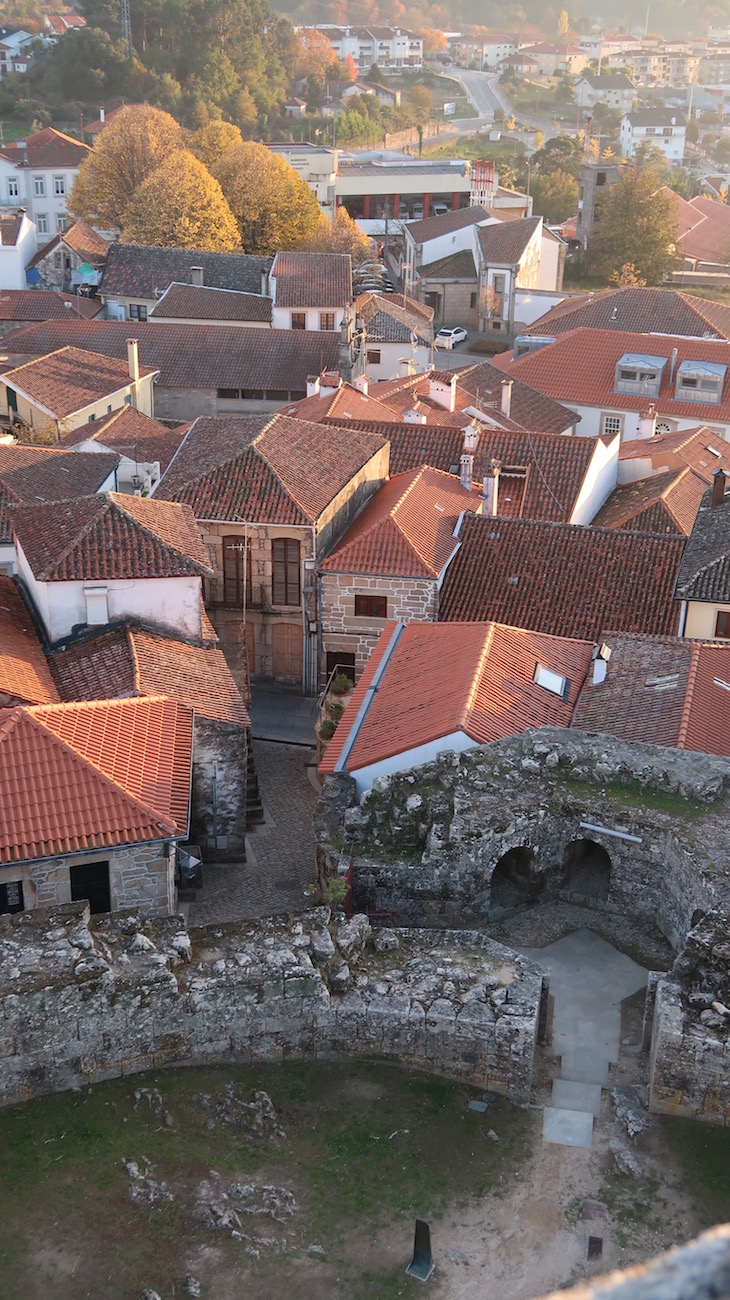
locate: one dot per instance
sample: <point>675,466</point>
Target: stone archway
<point>515,880</point>
<point>587,869</point>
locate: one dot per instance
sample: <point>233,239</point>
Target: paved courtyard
<point>280,853</point>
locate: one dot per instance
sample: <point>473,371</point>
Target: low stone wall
<point>84,1001</point>
<point>690,1048</point>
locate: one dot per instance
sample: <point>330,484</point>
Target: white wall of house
<point>396,359</point>
<point>670,139</point>
<point>42,191</point>
<point>455,241</point>
<point>172,603</point>
<point>599,482</point>
<point>457,741</point>
<point>531,304</point>
<point>34,415</point>
<point>15,257</point>
<point>702,619</point>
<point>282,316</point>
<point>593,418</point>
<point>549,275</point>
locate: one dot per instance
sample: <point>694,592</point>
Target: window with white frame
<point>13,187</point>
<point>39,187</point>
<point>61,222</point>
<point>41,223</point>
<point>612,424</point>
<point>59,186</point>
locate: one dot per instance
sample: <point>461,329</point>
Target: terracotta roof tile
<point>433,227</point>
<point>705,570</point>
<point>9,230</point>
<point>664,503</point>
<point>131,661</point>
<point>702,450</point>
<point>407,528</point>
<point>134,270</point>
<point>446,678</point>
<point>640,310</point>
<point>47,148</point>
<point>32,475</point>
<point>66,381</point>
<point>503,244</point>
<point>662,691</point>
<point>562,579</point>
<point>388,322</point>
<point>197,303</point>
<point>707,238</point>
<point>263,469</point>
<point>24,674</point>
<point>196,356</point>
<point>110,773</point>
<point>457,266</point>
<point>312,279</point>
<point>347,403</point>
<point>580,367</point>
<point>111,536</point>
<point>131,433</point>
<point>45,304</point>
<point>82,240</point>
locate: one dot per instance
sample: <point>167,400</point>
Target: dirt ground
<point>363,1150</point>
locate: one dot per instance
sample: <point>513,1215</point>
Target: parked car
<point>448,338</point>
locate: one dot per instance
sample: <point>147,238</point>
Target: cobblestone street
<point>280,853</point>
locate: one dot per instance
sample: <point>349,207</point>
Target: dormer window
<point>700,381</point>
<point>636,373</point>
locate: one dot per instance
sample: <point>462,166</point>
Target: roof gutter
<point>371,692</point>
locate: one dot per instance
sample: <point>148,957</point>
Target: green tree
<point>639,225</point>
<point>180,205</point>
<point>273,207</point>
<point>209,142</point>
<point>132,146</point>
<point>421,100</point>
<point>555,195</point>
<point>562,153</point>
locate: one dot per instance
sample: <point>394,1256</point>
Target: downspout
<point>683,610</point>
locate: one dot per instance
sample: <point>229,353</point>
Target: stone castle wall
<point>81,1002</point>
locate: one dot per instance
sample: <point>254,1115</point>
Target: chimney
<point>718,487</point>
<point>362,384</point>
<point>647,422</point>
<point>313,385</point>
<point>133,367</point>
<point>407,366</point>
<point>196,276</point>
<point>442,390</point>
<point>264,284</point>
<point>466,466</point>
<point>102,116</point>
<point>471,436</point>
<point>505,404</point>
<point>415,417</point>
<point>673,365</point>
<point>491,489</point>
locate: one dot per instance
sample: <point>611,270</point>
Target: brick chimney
<point>505,404</point>
<point>466,464</point>
<point>718,487</point>
<point>133,367</point>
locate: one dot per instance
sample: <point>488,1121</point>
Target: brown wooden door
<point>288,652</point>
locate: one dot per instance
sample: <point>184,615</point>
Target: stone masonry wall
<point>83,1002</point>
<point>426,842</point>
<point>409,600</point>
<point>218,816</point>
<point>140,876</point>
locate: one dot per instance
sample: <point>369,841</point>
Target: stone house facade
<point>141,877</point>
<point>348,636</point>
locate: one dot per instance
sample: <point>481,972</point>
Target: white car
<point>449,338</point>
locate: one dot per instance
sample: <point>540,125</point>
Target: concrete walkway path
<point>589,980</point>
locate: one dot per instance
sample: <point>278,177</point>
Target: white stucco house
<point>310,291</point>
<point>18,244</point>
<point>662,128</point>
<point>67,389</point>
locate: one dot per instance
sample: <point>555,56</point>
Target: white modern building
<point>661,128</point>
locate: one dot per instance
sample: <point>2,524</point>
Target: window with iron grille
<point>285,571</point>
<point>11,897</point>
<point>299,320</point>
<point>326,320</point>
<point>371,607</point>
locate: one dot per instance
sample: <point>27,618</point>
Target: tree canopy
<point>555,195</point>
<point>273,207</point>
<point>340,235</point>
<point>180,205</point>
<point>130,148</point>
<point>639,225</point>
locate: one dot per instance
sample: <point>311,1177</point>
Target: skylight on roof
<point>667,683</point>
<point>551,681</point>
<point>713,450</point>
<point>725,686</point>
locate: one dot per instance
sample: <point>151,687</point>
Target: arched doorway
<point>587,869</point>
<point>515,880</point>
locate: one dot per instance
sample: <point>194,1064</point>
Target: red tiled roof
<point>662,691</point>
<point>9,230</point>
<point>444,678</point>
<point>386,321</point>
<point>407,528</point>
<point>131,661</point>
<point>707,239</point>
<point>45,304</point>
<point>347,403</point>
<point>504,244</point>
<point>24,673</point>
<point>312,279</point>
<point>562,579</point>
<point>130,433</point>
<point>432,227</point>
<point>110,773</point>
<point>580,367</point>
<point>664,503</point>
<point>702,450</point>
<point>705,570</point>
<point>640,310</point>
<point>196,356</point>
<point>69,380</point>
<point>82,240</point>
<point>263,469</point>
<point>38,474</point>
<point>198,303</point>
<point>47,148</point>
<point>111,536</point>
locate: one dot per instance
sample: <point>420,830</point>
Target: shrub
<point>328,729</point>
<point>341,684</point>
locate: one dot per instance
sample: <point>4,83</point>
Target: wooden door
<point>288,652</point>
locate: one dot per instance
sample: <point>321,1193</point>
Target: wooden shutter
<point>285,566</point>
